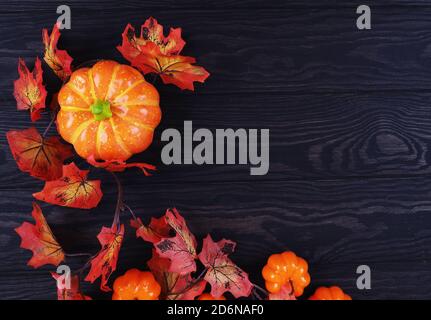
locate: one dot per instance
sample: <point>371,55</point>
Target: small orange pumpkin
<point>284,268</point>
<point>108,111</point>
<point>136,285</point>
<point>331,293</point>
<point>207,296</point>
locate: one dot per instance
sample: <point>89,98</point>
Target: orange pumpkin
<point>286,268</point>
<point>331,293</point>
<point>108,111</point>
<point>207,296</point>
<point>136,285</point>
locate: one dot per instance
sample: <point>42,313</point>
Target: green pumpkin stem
<point>101,110</point>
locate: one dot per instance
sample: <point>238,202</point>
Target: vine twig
<point>120,203</point>
<point>48,127</point>
<point>83,254</point>
<point>130,210</point>
<point>260,289</point>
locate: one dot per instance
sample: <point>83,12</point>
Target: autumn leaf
<point>29,91</point>
<point>39,239</point>
<point>72,189</point>
<point>286,293</point>
<point>154,232</point>
<point>152,52</point>
<point>186,288</point>
<point>73,292</point>
<point>151,33</point>
<point>119,165</point>
<point>105,262</point>
<point>41,157</point>
<point>177,70</point>
<point>180,249</point>
<point>58,60</point>
<point>223,275</point>
<point>174,286</point>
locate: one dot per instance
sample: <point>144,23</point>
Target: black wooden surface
<point>350,122</point>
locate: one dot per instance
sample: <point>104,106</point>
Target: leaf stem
<point>120,203</point>
<point>261,289</point>
<point>189,286</point>
<point>201,275</point>
<point>130,210</point>
<point>256,295</point>
<point>48,127</point>
<point>83,254</point>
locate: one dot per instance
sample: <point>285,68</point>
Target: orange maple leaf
<point>41,157</point>
<point>29,91</point>
<point>151,32</point>
<point>72,189</point>
<point>105,262</point>
<point>154,232</point>
<point>223,275</point>
<point>58,60</point>
<point>40,240</point>
<point>174,285</point>
<point>177,70</point>
<point>180,249</point>
<point>152,52</point>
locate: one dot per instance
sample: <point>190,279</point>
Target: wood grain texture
<point>335,225</point>
<point>348,113</point>
<point>320,136</point>
<point>23,5</point>
<point>269,50</point>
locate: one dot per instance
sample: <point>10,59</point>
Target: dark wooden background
<point>349,113</point>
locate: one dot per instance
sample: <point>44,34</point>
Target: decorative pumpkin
<point>108,111</point>
<point>286,268</point>
<point>331,293</point>
<point>207,296</point>
<point>136,285</point>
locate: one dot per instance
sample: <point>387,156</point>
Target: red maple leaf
<point>152,52</point>
<point>151,32</point>
<point>177,70</point>
<point>41,157</point>
<point>180,249</point>
<point>73,292</point>
<point>223,275</point>
<point>72,189</point>
<point>174,286</point>
<point>105,262</point>
<point>39,239</point>
<point>58,60</point>
<point>29,91</point>
<point>119,165</point>
<point>154,232</point>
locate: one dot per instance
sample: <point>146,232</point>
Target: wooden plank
<point>268,50</point>
<point>24,5</point>
<point>335,225</point>
<point>322,136</point>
